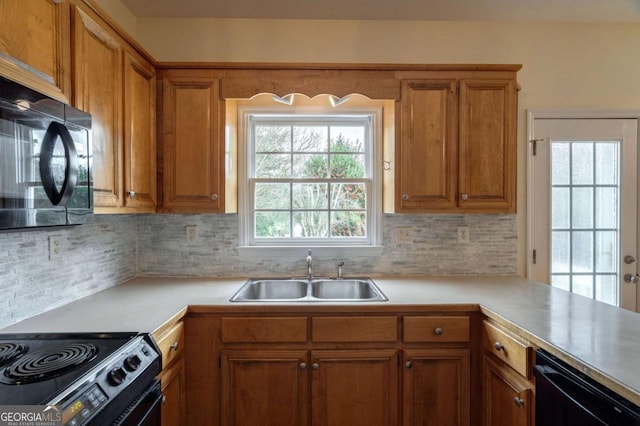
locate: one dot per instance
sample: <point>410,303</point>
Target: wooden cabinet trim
<point>517,386</point>
<point>171,344</point>
<point>436,329</point>
<point>507,348</point>
<point>264,330</point>
<point>354,329</point>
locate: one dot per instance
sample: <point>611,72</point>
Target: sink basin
<point>303,290</point>
<point>272,290</point>
<point>360,289</point>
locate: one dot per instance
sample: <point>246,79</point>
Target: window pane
<point>606,163</point>
<point>270,138</point>
<point>559,251</point>
<point>270,196</point>
<point>347,138</point>
<point>273,165</point>
<point>561,281</point>
<point>308,196</point>
<point>310,139</point>
<point>607,207</point>
<point>347,166</point>
<point>311,224</point>
<point>582,252</point>
<point>606,243</point>
<point>348,224</point>
<point>310,166</point>
<point>273,224</point>
<point>606,289</point>
<point>348,196</point>
<point>582,284</point>
<point>581,163</point>
<point>560,208</point>
<point>582,211</point>
<point>560,163</point>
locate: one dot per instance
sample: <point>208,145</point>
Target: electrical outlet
<point>463,234</point>
<point>55,247</point>
<point>192,232</point>
<point>404,235</point>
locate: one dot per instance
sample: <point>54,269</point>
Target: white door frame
<point>534,114</point>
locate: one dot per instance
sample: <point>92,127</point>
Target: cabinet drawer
<point>260,329</point>
<point>436,329</point>
<point>507,348</point>
<point>354,329</point>
<point>171,343</point>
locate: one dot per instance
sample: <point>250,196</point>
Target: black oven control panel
<point>107,390</point>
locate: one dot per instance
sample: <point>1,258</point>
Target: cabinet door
<point>193,163</point>
<point>97,67</point>
<point>508,398</point>
<point>173,390</point>
<point>487,158</point>
<point>427,147</point>
<point>436,387</point>
<point>266,388</point>
<point>354,387</point>
<point>139,134</point>
<point>34,45</point>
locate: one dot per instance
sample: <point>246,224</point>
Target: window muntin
<point>310,179</point>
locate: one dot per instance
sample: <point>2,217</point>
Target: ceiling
<point>435,10</point>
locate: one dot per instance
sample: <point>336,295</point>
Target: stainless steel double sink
<point>305,290</point>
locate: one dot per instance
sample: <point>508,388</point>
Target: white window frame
<point>330,247</point>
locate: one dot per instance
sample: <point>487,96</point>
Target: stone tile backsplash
<point>117,248</point>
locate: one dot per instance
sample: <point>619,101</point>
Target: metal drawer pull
<point>499,346</point>
<point>518,401</point>
<point>214,197</point>
<point>315,366</point>
<point>164,399</point>
<point>437,331</point>
<point>303,366</point>
<point>405,197</point>
<point>464,197</point>
<point>174,346</point>
<point>132,194</point>
<point>408,364</point>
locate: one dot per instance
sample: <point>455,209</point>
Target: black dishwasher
<point>566,397</point>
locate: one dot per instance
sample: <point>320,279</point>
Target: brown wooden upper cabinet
<point>193,151</point>
<point>34,46</point>
<point>457,145</point>
<point>117,87</point>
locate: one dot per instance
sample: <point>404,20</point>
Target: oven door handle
<point>58,197</point>
<point>564,390</point>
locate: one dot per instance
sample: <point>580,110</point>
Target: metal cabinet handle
<point>499,346</point>
<point>408,364</point>
<point>303,366</point>
<point>164,399</point>
<point>214,197</point>
<point>315,366</point>
<point>437,331</point>
<point>464,197</point>
<point>174,346</point>
<point>405,197</point>
<point>132,194</point>
<point>518,401</point>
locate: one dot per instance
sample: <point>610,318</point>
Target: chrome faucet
<point>339,274</point>
<point>309,265</point>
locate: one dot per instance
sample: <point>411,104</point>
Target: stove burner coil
<point>9,351</point>
<point>47,363</point>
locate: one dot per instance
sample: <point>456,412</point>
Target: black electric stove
<point>92,378</point>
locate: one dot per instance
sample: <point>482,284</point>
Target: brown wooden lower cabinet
<point>508,397</point>
<point>436,387</point>
<point>173,389</point>
<point>354,387</point>
<point>261,387</point>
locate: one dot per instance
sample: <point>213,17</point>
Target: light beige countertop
<point>601,340</point>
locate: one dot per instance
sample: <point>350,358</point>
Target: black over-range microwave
<point>45,160</point>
